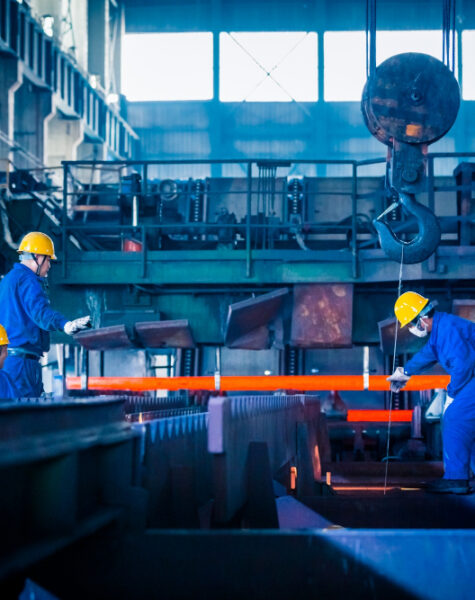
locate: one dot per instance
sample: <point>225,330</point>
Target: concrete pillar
<point>33,106</point>
<point>117,34</point>
<point>99,41</point>
<point>69,26</point>
<point>79,12</point>
<point>62,140</point>
<point>10,80</point>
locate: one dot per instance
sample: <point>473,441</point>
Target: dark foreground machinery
<point>102,500</point>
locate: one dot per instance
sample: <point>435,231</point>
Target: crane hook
<point>422,245</point>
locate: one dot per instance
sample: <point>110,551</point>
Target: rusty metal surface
<point>464,309</point>
<point>322,316</point>
<point>105,338</point>
<point>247,316</point>
<point>406,342</point>
<point>412,98</point>
<point>165,334</point>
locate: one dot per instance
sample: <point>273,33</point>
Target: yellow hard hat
<point>3,336</point>
<point>408,306</point>
<point>38,243</point>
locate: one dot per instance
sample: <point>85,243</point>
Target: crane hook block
<point>412,98</point>
<point>422,245</point>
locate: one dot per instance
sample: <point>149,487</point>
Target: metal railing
<point>264,221</point>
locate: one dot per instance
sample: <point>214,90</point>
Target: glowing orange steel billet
<point>255,383</point>
<point>379,416</point>
<point>378,383</point>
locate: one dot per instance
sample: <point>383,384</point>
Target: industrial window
<point>468,64</point>
<point>389,43</point>
<point>345,57</point>
<point>268,67</point>
<point>167,66</point>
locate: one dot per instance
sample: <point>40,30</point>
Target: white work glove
<point>73,327</point>
<point>398,380</point>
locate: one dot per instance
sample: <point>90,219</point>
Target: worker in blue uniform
<point>7,387</point>
<point>27,316</point>
<point>451,342</point>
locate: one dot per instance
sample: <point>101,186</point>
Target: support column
<point>62,139</point>
<point>33,105</point>
<point>69,24</point>
<point>216,116</point>
<point>99,41</point>
<point>117,34</point>
<point>10,81</point>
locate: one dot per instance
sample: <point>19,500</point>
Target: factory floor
<point>356,540</point>
<point>361,499</point>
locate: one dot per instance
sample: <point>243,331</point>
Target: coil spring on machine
<point>296,200</point>
<point>187,362</point>
<point>292,361</point>
<point>197,201</point>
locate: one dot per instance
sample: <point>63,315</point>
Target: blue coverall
<point>452,344</point>
<point>27,316</point>
<point>7,387</point>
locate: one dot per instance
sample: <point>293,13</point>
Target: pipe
<point>257,383</point>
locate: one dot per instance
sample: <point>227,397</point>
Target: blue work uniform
<point>27,316</point>
<point>452,344</point>
<point>8,390</point>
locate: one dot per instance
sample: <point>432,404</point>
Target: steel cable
<point>399,289</point>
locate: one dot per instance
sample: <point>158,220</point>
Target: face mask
<point>419,330</point>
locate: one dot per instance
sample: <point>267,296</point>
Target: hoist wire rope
<point>396,329</point>
<point>370,38</point>
<point>448,33</point>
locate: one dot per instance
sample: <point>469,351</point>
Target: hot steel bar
<point>379,416</point>
<point>266,383</point>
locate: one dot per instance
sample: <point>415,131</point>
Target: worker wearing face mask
<point>451,342</point>
<point>27,316</point>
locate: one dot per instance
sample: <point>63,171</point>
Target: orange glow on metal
<point>363,488</point>
<point>413,130</point>
<point>293,478</point>
<point>373,488</point>
<point>257,383</point>
<point>328,478</point>
<point>316,452</point>
<point>379,416</point>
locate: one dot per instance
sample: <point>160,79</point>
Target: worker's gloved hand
<point>73,327</point>
<point>398,380</point>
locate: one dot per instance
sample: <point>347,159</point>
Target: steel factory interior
<point>237,299</point>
